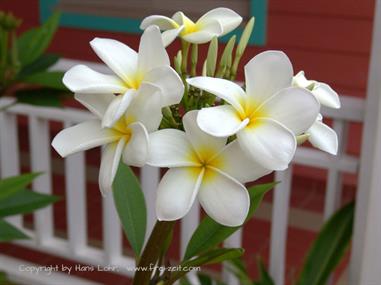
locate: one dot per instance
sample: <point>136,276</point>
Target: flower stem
<point>152,252</point>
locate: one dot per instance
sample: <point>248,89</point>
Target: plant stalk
<point>152,252</point>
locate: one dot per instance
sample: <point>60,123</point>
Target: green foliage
<point>11,185</point>
<point>264,276</point>
<point>40,64</point>
<point>130,205</point>
<point>329,247</point>
<point>24,201</point>
<point>15,199</point>
<point>22,60</point>
<point>210,233</point>
<point>210,257</point>
<point>34,42</point>
<point>9,232</point>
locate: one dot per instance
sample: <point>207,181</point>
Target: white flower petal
<point>222,88</point>
<point>117,108</point>
<point>266,74</point>
<point>170,35</point>
<point>294,107</point>
<point>119,57</point>
<point>109,165</point>
<point>145,107</point>
<point>82,137</point>
<point>326,95</point>
<point>220,121</point>
<point>300,80</point>
<point>204,33</point>
<point>152,52</point>
<point>201,141</point>
<point>176,192</point>
<point>227,18</point>
<point>170,148</point>
<point>235,163</point>
<point>164,23</point>
<point>223,198</point>
<point>82,79</point>
<point>95,103</point>
<point>170,83</point>
<point>269,143</point>
<point>135,152</point>
<point>323,137</point>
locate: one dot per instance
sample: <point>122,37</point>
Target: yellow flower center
<point>252,112</point>
<point>208,159</point>
<point>121,129</point>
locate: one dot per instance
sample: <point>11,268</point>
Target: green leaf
<point>11,185</point>
<point>329,247</point>
<point>209,233</point>
<point>25,201</point>
<point>51,79</point>
<point>131,207</point>
<point>265,278</point>
<point>211,257</point>
<point>34,42</point>
<point>9,232</point>
<point>40,64</point>
<point>211,58</point>
<point>238,268</point>
<point>204,279</point>
<point>42,97</point>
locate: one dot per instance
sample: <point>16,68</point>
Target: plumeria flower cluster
<point>212,134</point>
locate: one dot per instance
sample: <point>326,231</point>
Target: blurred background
<point>329,40</point>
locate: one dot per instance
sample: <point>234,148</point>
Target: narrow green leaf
<point>238,268</point>
<point>25,201</point>
<point>40,64</point>
<point>329,247</point>
<point>209,233</point>
<point>204,279</point>
<point>211,257</point>
<point>211,58</point>
<point>9,232</point>
<point>42,96</point>
<point>131,207</point>
<point>11,185</point>
<point>51,79</point>
<point>34,42</point>
<point>265,278</point>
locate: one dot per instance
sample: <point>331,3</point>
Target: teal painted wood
<point>258,9</point>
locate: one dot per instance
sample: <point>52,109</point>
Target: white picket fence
<point>366,249</point>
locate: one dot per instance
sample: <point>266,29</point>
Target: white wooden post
<point>112,231</point>
<point>40,162</point>
<point>9,151</point>
<point>279,225</point>
<point>366,251</point>
<point>234,240</point>
<point>75,179</point>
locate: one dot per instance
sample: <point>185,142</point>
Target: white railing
<point>75,247</point>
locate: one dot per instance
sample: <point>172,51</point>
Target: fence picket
<point>40,162</point>
<point>75,180</point>
<point>279,225</point>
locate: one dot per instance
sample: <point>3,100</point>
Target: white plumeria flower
<point>216,22</point>
<point>128,138</point>
<point>201,166</point>
<point>133,71</point>
<point>267,116</point>
<point>323,92</point>
<point>320,136</point>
